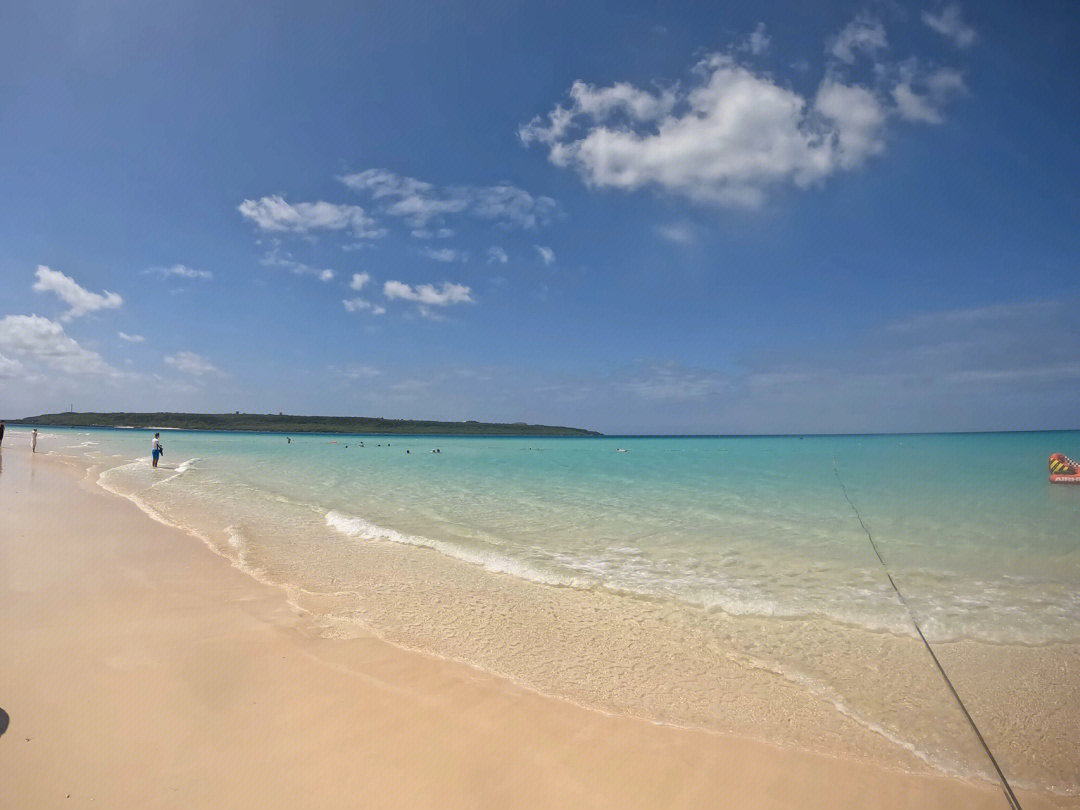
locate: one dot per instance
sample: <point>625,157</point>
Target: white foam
<point>357,527</point>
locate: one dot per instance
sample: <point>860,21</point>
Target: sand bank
<point>138,669</point>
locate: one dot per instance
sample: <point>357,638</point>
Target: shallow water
<point>716,582</point>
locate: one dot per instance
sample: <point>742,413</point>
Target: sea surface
<point>723,583</point>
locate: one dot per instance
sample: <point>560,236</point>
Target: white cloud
<point>445,254</point>
<point>361,304</point>
<point>359,280</point>
<point>37,341</point>
<point>923,97</point>
<point>428,294</point>
<point>275,258</point>
<point>864,34</point>
<point>273,213</point>
<point>950,23</point>
<point>546,254</point>
<point>758,41</point>
<point>733,134</point>
<point>81,301</point>
<point>131,338</point>
<point>9,367</point>
<point>432,233</point>
<point>181,271</point>
<point>420,202</point>
<point>857,118</point>
<point>678,232</point>
<point>496,255</point>
<point>191,363</point>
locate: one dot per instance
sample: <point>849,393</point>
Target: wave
<point>357,527</point>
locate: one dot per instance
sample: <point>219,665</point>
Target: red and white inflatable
<point>1063,470</point>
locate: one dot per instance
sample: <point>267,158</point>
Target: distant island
<point>287,423</point>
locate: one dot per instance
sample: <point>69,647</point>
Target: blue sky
<point>652,217</point>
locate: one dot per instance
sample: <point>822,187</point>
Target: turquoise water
<point>651,561</point>
<point>980,542</point>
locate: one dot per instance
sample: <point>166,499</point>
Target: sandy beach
<point>140,669</point>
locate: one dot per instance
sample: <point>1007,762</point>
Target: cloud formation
<point>547,255</point>
<point>181,271</point>
<point>274,214</point>
<point>276,258</point>
<point>863,35</point>
<point>428,294</point>
<point>130,338</point>
<point>359,280</point>
<point>732,134</point>
<point>496,255</point>
<point>949,23</point>
<point>29,342</point>
<point>362,304</point>
<point>420,203</point>
<point>446,254</point>
<point>67,289</point>
<point>194,364</point>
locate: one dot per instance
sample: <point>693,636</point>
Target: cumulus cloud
<point>361,305</point>
<point>922,97</point>
<point>181,271</point>
<point>420,203</point>
<point>9,367</point>
<point>949,22</point>
<point>32,341</point>
<point>194,364</point>
<point>131,338</point>
<point>864,34</point>
<point>428,294</point>
<point>496,255</point>
<point>547,255</point>
<point>273,213</point>
<point>359,280</point>
<point>732,134</point>
<point>67,289</point>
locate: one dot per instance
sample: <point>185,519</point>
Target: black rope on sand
<point>1014,803</point>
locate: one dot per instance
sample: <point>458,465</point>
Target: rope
<point>1014,803</point>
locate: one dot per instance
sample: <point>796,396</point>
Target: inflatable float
<point>1063,470</point>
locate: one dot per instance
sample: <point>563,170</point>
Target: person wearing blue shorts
<point>156,449</point>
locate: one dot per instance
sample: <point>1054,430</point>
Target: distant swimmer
<point>621,450</point>
<point>33,441</point>
<point>288,440</point>
<point>156,450</point>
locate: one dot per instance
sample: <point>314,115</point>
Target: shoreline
<point>471,704</point>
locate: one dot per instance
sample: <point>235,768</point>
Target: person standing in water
<point>1,431</point>
<point>33,441</point>
<point>155,448</point>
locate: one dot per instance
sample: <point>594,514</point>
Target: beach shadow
<point>4,720</point>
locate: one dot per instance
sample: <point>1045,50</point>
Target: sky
<point>735,217</point>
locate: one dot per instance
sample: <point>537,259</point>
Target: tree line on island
<point>288,423</point>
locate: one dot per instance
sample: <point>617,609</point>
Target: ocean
<point>722,583</point>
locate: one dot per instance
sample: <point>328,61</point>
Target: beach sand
<point>138,669</point>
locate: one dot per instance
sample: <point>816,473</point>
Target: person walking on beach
<point>1,431</point>
<point>155,449</point>
<point>33,441</point>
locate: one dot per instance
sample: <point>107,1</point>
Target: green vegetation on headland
<point>285,423</point>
